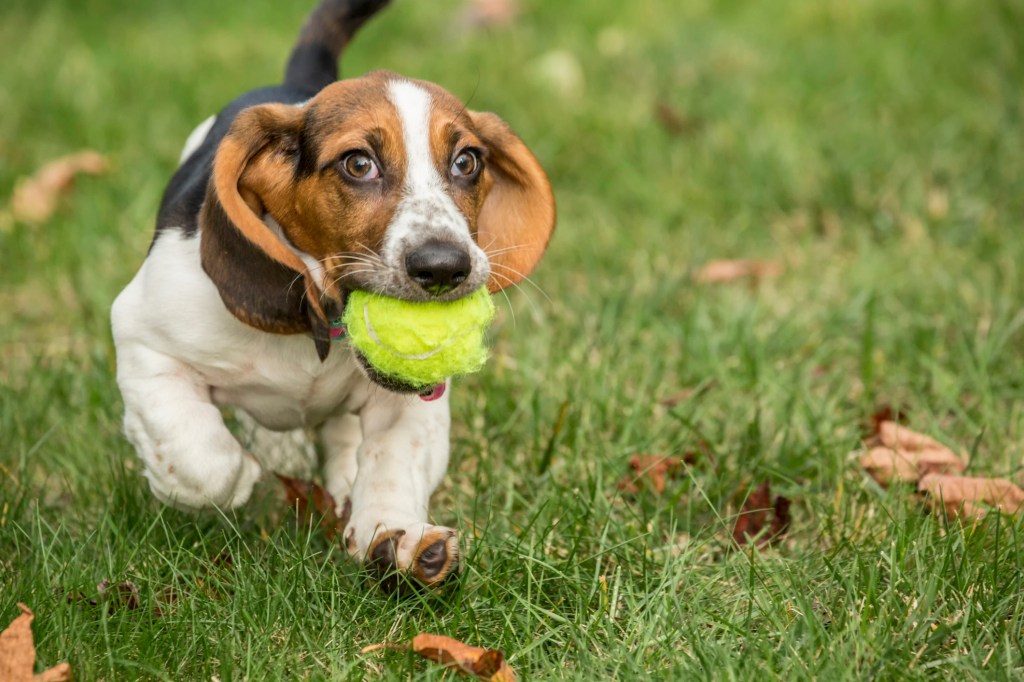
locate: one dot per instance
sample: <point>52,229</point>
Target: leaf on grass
<point>674,122</point>
<point>122,595</point>
<point>687,394</point>
<point>761,518</point>
<point>722,271</point>
<point>299,494</point>
<point>887,465</point>
<point>18,653</point>
<point>971,497</point>
<point>490,13</point>
<point>897,436</point>
<point>652,469</point>
<point>487,664</point>
<point>35,198</point>
<point>885,413</point>
<point>165,602</point>
<point>901,454</point>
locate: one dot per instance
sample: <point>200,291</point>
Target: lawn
<point>873,148</point>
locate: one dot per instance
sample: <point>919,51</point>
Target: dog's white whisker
<point>523,278</point>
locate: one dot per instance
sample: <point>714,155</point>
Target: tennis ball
<point>419,344</point>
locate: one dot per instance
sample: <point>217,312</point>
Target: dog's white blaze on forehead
<point>427,210</point>
<point>413,105</point>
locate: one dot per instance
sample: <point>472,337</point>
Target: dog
<point>287,199</point>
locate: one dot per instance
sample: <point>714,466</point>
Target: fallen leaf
<point>885,413</point>
<point>223,559</point>
<point>971,497</point>
<point>17,650</point>
<point>35,198</point>
<point>58,673</point>
<point>488,664</point>
<point>901,454</point>
<point>898,437</point>
<point>780,517</point>
<point>688,393</point>
<point>754,517</point>
<point>673,121</point>
<point>299,494</point>
<point>165,602</point>
<point>488,13</point>
<point>122,595</point>
<point>722,271</point>
<point>18,653</point>
<point>652,468</point>
<point>887,465</point>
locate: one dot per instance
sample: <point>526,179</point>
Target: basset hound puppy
<point>287,199</point>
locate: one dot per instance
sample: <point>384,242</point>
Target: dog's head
<point>383,184</point>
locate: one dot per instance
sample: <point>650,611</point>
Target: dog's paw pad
<point>430,560</point>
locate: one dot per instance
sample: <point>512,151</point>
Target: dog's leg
<point>190,457</point>
<point>289,453</point>
<point>403,457</point>
<point>340,437</point>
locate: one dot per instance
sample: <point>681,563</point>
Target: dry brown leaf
<point>894,435</point>
<point>888,465</point>
<point>18,653</point>
<point>17,650</point>
<point>485,13</point>
<point>971,497</point>
<point>885,413</point>
<point>487,664</point>
<point>122,595</point>
<point>754,517</point>
<point>688,393</point>
<point>654,469</point>
<point>780,518</point>
<point>679,397</point>
<point>901,454</point>
<point>674,122</point>
<point>58,673</point>
<point>299,494</point>
<point>35,198</point>
<point>722,271</point>
<point>165,601</point>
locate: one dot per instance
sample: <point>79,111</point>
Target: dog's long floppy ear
<point>255,160</point>
<point>518,214</point>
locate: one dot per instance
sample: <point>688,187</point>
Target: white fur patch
<point>413,105</point>
<point>196,138</point>
<point>316,268</point>
<point>427,210</point>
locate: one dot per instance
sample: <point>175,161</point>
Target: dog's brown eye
<point>465,165</point>
<point>359,166</point>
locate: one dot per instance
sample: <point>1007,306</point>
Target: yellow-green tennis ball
<point>419,344</point>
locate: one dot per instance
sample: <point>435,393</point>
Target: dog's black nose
<point>438,266</point>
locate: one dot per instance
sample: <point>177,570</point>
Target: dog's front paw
<point>427,554</point>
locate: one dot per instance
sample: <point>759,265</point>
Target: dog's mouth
<point>394,385</point>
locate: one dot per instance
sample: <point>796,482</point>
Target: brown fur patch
<point>518,216</point>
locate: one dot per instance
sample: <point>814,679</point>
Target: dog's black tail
<point>313,64</point>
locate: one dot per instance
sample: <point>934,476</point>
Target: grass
<point>873,147</point>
